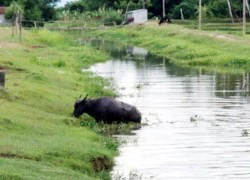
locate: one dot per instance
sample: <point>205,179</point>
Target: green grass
<point>218,25</point>
<point>186,47</point>
<point>39,137</point>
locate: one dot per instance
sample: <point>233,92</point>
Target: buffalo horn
<point>85,98</point>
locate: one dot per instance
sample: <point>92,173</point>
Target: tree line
<point>43,10</point>
<point>46,10</point>
<point>210,8</point>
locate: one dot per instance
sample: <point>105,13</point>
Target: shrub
<point>111,17</point>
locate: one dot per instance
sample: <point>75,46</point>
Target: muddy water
<point>198,122</point>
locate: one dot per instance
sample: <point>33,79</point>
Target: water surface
<point>197,121</point>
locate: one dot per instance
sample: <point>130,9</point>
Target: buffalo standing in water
<point>108,110</point>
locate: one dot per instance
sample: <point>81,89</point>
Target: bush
<point>219,8</point>
<point>111,16</point>
<point>188,7</point>
<point>108,16</point>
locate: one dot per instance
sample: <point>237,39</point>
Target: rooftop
<point>2,10</point>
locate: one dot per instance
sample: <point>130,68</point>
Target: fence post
<point>20,27</point>
<point>163,9</point>
<point>244,18</point>
<point>35,24</point>
<point>230,10</point>
<point>200,16</point>
<point>182,16</point>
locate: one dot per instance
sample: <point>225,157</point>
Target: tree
<point>35,9</point>
<point>244,17</point>
<point>188,8</point>
<point>15,12</point>
<point>78,6</point>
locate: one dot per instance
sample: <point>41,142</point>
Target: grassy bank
<point>186,47</point>
<point>39,138</point>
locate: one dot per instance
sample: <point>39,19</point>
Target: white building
<point>2,19</point>
<point>140,16</point>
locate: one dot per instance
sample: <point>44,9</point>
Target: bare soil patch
<point>7,45</point>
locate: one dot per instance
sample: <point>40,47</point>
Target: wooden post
<point>13,27</point>
<point>35,24</point>
<point>125,17</point>
<point>248,9</point>
<point>200,12</point>
<point>230,10</point>
<point>163,9</point>
<point>20,27</point>
<point>244,18</point>
<point>182,16</point>
<point>16,23</point>
<point>143,4</point>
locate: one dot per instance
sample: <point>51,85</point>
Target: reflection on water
<point>175,145</point>
<point>2,79</point>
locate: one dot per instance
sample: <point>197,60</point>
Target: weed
<point>60,64</point>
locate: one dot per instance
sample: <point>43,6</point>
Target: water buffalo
<point>165,19</point>
<point>107,110</point>
<point>128,21</point>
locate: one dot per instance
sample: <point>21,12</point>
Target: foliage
<point>35,9</point>
<point>90,18</point>
<point>219,8</point>
<point>188,8</point>
<point>110,16</point>
<point>78,6</point>
<point>45,10</point>
<point>13,10</point>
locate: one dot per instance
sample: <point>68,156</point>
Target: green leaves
<point>13,10</point>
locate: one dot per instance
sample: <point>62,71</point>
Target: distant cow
<point>107,109</point>
<point>164,19</point>
<point>128,21</point>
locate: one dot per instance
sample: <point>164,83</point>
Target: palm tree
<point>16,11</point>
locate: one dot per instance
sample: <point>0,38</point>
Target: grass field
<point>212,50</point>
<point>39,137</point>
<point>215,25</point>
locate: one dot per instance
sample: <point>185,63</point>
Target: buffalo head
<point>80,107</point>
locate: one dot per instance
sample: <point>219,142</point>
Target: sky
<point>63,2</point>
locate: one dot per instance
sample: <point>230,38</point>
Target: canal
<point>197,121</point>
